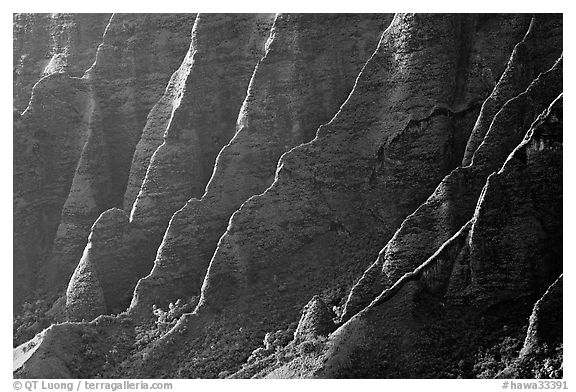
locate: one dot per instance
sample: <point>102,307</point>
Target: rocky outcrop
<point>519,231</point>
<point>542,353</point>
<point>48,141</point>
<point>23,352</point>
<point>111,274</point>
<point>308,71</point>
<point>50,135</point>
<point>334,199</point>
<point>53,359</point>
<point>316,321</point>
<point>84,298</point>
<point>485,277</point>
<point>222,55</point>
<point>52,43</point>
<point>224,51</point>
<point>88,194</point>
<point>534,54</point>
<point>454,200</point>
<point>438,136</point>
<point>138,55</point>
<point>153,132</point>
<point>68,350</point>
<point>30,44</point>
<point>545,327</point>
<point>131,69</point>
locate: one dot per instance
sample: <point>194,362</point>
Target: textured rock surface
<point>335,198</point>
<point>68,350</point>
<point>213,80</point>
<point>53,359</point>
<point>518,232</point>
<point>454,200</point>
<point>542,353</point>
<point>485,273</point>
<point>87,196</point>
<point>138,55</point>
<point>84,298</point>
<point>545,328</point>
<point>316,321</point>
<point>308,70</point>
<point>112,274</point>
<point>271,255</point>
<point>153,133</point>
<point>50,43</point>
<point>131,69</point>
<point>30,46</point>
<point>224,51</point>
<point>48,142</point>
<point>49,137</point>
<point>534,54</point>
<point>211,85</point>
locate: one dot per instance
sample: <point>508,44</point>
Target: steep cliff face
<point>51,43</point>
<point>223,53</point>
<point>445,316</point>
<point>130,71</point>
<point>453,202</point>
<point>64,164</point>
<point>138,55</point>
<point>49,137</point>
<point>48,141</point>
<point>336,197</point>
<point>309,68</point>
<point>545,328</point>
<point>209,98</point>
<point>286,154</point>
<point>108,273</point>
<point>534,54</point>
<point>542,353</point>
<point>30,47</point>
<point>153,132</point>
<point>69,349</point>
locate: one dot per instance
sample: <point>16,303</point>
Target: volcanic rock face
<point>50,135</point>
<point>51,43</point>
<point>403,331</point>
<point>111,273</point>
<point>224,51</point>
<point>210,87</point>
<point>85,299</point>
<point>541,355</point>
<point>48,141</point>
<point>129,73</point>
<point>138,55</point>
<point>315,227</point>
<point>87,195</point>
<point>316,320</point>
<point>307,72</point>
<point>518,250</point>
<point>534,54</point>
<point>545,326</point>
<point>454,200</point>
<point>325,195</point>
<point>223,54</point>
